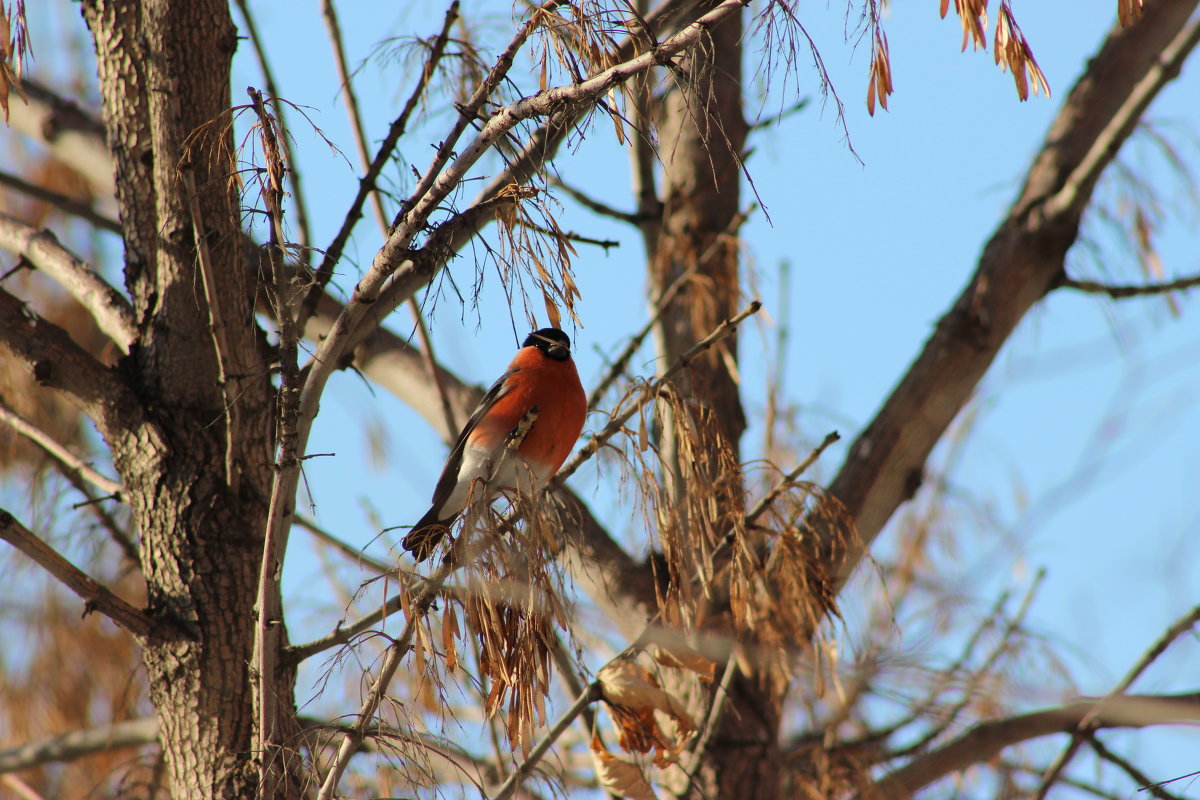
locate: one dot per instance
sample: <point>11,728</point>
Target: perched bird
<point>518,436</point>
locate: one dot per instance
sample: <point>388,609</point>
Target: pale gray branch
<point>984,741</point>
<point>58,450</point>
<point>77,744</point>
<point>108,307</point>
<point>75,137</point>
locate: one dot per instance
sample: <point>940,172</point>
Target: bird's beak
<point>558,351</point>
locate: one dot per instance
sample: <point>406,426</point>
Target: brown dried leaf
<point>879,83</point>
<point>680,656</point>
<point>1129,12</point>
<point>972,15</point>
<point>633,696</point>
<point>14,45</point>
<point>618,776</point>
<point>1011,51</point>
<point>626,683</point>
<point>450,636</point>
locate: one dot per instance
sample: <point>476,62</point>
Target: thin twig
<point>367,183</point>
<point>96,596</point>
<point>285,143</point>
<point>354,735</point>
<point>1142,780</point>
<point>1181,626</point>
<point>220,334</point>
<point>349,551</point>
<point>268,630</point>
<point>621,362</point>
<point>984,669</point>
<point>595,205</point>
<point>1123,292</point>
<point>344,633</point>
<point>72,206</point>
<point>651,389</point>
<point>360,142</point>
<point>786,483</point>
<point>59,451</point>
<point>714,715</point>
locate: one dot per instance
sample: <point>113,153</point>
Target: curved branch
<point>1020,264</point>
<point>985,740</point>
<point>58,451</point>
<point>77,744</point>
<point>108,307</point>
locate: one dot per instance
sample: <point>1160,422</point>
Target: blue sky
<point>1084,444</point>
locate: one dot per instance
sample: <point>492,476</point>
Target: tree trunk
<point>196,471</point>
<point>702,136</point>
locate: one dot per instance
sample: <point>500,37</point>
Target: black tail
<point>426,534</point>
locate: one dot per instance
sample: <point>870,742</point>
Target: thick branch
<point>985,740</point>
<point>96,597</point>
<point>108,307</point>
<point>1020,264</point>
<point>75,137</point>
<point>57,362</point>
<point>77,744</point>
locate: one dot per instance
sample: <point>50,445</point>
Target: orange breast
<point>552,386</point>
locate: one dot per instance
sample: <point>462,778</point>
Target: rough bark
<point>702,135</point>
<point>196,476</point>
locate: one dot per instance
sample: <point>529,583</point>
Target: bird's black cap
<point>551,341</point>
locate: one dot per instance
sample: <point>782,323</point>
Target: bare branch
<point>360,142</point>
<point>618,420</point>
<point>96,597</point>
<point>108,307</point>
<point>395,653</point>
<point>59,451</point>
<point>57,362</point>
<point>985,740</point>
<point>78,744</point>
<point>285,143</point>
<point>433,189</point>
<point>1178,628</point>
<point>1140,778</point>
<point>1123,292</point>
<point>366,184</point>
<point>1022,262</point>
<point>75,137</point>
<point>70,205</point>
<point>268,633</point>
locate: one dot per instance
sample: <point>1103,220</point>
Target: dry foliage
<point>1012,52</point>
<point>739,596</point>
<point>14,48</point>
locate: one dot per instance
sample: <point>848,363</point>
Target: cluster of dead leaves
<point>1010,48</point>
<point>14,46</point>
<point>650,720</point>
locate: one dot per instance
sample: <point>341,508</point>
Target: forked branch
<point>986,740</point>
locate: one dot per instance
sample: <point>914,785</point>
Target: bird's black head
<point>552,342</point>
